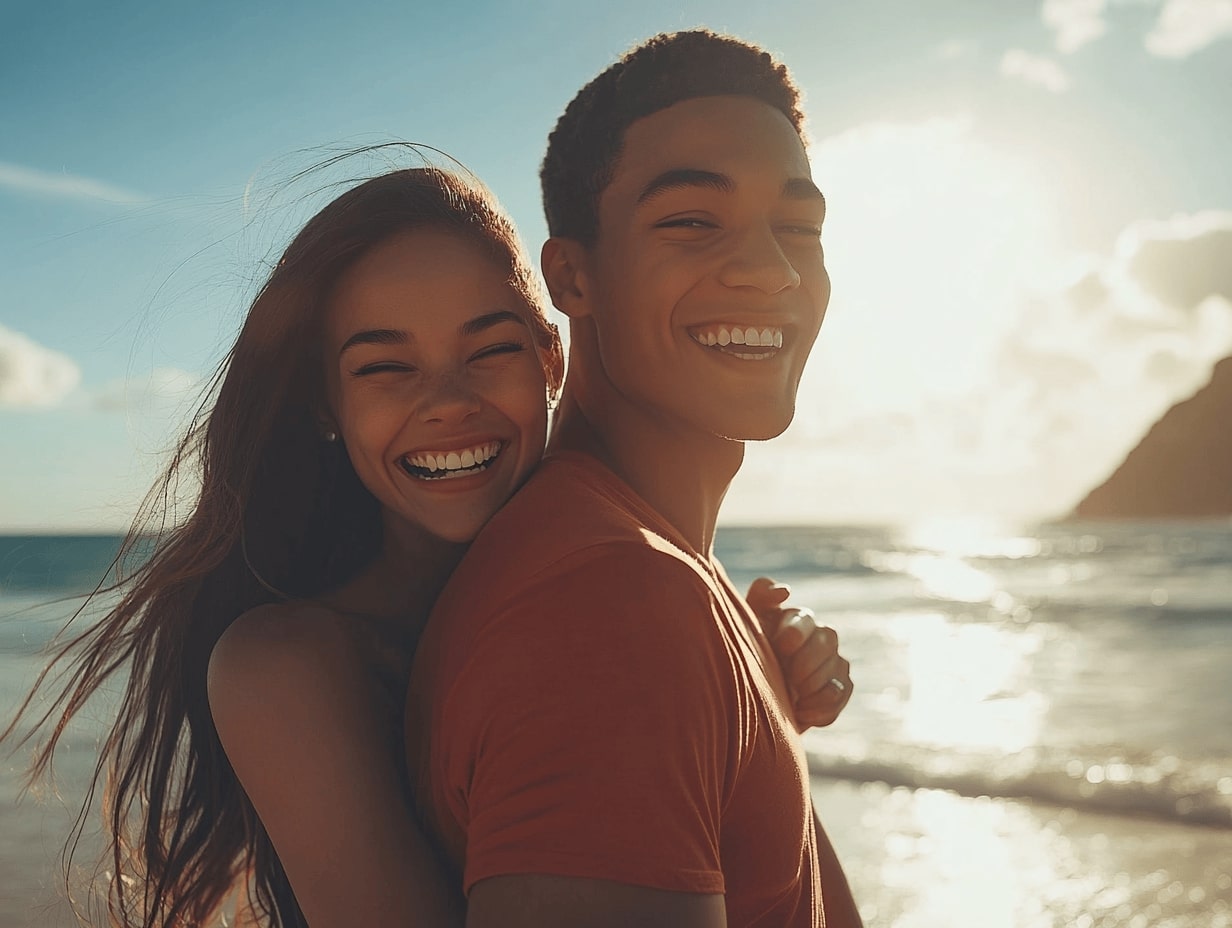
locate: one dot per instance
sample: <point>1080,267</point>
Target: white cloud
<point>1075,22</point>
<point>156,408</point>
<point>32,375</point>
<point>68,186</point>
<point>1181,28</point>
<point>1185,26</point>
<point>952,49</point>
<point>1183,260</point>
<point>1034,69</point>
<point>160,384</point>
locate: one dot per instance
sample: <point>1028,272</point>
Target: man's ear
<point>565,266</point>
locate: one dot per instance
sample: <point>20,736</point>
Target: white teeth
<point>753,337</point>
<point>454,460</point>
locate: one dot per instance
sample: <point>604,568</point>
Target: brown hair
<point>280,513</point>
<point>664,70</point>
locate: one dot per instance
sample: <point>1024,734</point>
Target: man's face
<point>708,282</point>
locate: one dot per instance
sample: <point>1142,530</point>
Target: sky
<point>1029,227</point>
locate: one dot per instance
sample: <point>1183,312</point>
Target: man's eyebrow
<point>488,320</point>
<point>797,188</point>
<point>374,337</point>
<point>801,188</point>
<point>685,177</point>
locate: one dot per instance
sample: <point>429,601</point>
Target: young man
<point>655,779</point>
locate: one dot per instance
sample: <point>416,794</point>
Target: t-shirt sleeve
<point>587,734</point>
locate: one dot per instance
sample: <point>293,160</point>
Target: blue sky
<point>1015,191</point>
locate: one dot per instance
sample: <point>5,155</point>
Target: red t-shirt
<point>592,700</point>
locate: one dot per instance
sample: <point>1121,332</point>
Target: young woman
<point>387,394</point>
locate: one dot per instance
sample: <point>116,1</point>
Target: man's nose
<point>757,260</point>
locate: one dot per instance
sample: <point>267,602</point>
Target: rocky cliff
<point>1181,469</point>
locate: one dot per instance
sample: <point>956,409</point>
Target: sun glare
<point>966,690</point>
<point>933,237</point>
<point>968,537</point>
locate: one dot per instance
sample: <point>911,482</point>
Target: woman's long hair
<point>280,513</point>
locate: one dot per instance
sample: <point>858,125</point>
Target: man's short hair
<point>665,70</point>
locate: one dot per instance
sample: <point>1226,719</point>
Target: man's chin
<point>756,427</point>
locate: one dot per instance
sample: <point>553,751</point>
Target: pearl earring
<point>331,436</point>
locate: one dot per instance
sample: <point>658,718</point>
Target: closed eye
<point>496,350</point>
<point>382,367</point>
<point>810,229</point>
<point>685,222</point>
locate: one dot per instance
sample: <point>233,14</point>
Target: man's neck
<point>682,474</point>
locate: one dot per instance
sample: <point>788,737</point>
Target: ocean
<point>1040,733</point>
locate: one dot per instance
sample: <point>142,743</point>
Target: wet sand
<point>915,859</point>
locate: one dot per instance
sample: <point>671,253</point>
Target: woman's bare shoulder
<point>278,650</point>
<point>298,624</point>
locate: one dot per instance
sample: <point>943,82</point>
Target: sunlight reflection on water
<point>931,859</point>
<point>968,684</point>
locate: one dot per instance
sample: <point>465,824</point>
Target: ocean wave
<point>1162,787</point>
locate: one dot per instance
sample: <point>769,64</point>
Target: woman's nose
<point>448,398</point>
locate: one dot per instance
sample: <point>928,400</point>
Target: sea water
<point>1040,732</point>
<point>1041,727</point>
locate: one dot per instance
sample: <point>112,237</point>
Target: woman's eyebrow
<point>374,337</point>
<point>398,337</point>
<point>488,320</point>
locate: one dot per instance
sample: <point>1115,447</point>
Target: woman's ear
<point>326,421</point>
<point>564,263</point>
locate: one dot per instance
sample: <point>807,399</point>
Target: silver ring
<point>838,684</point>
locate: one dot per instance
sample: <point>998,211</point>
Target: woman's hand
<point>818,677</point>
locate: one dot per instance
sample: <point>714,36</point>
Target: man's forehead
<point>734,136</point>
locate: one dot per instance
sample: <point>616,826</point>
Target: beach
<point>1038,735</point>
<point>915,859</point>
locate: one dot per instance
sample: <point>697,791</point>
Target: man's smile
<point>746,342</point>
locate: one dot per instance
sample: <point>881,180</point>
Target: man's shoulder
<point>573,521</point>
<point>570,505</point>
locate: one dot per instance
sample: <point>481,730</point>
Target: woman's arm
<point>299,716</point>
<point>818,676</point>
<point>809,656</point>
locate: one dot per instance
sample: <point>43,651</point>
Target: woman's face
<point>434,381</point>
